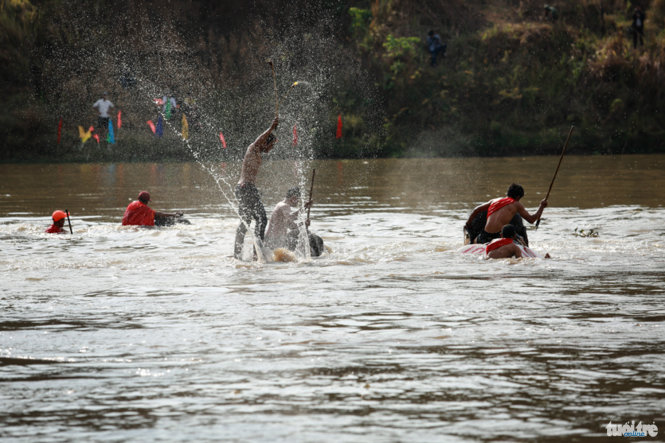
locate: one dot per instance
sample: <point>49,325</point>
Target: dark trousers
<point>638,36</point>
<point>249,208</point>
<point>433,54</point>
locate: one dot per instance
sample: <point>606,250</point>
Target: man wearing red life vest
<point>500,212</point>
<point>58,222</point>
<point>138,213</point>
<point>505,246</point>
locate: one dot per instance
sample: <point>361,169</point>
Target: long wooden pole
<point>274,82</point>
<point>311,190</point>
<point>563,152</point>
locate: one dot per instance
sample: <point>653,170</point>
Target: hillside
<point>512,81</point>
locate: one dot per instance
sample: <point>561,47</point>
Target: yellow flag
<point>185,128</point>
<point>84,135</point>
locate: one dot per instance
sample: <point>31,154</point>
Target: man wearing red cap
<point>138,213</point>
<point>58,222</point>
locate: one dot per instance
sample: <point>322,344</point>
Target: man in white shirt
<point>103,105</point>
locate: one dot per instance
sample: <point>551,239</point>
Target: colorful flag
<point>159,130</point>
<point>60,130</point>
<point>221,137</point>
<point>110,137</point>
<point>185,128</point>
<point>119,119</point>
<point>85,135</point>
<point>295,135</point>
<point>151,125</point>
<point>339,126</point>
<point>167,111</point>
<point>96,137</point>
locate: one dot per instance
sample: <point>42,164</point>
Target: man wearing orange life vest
<point>505,246</point>
<point>138,213</point>
<point>500,212</point>
<point>58,222</point>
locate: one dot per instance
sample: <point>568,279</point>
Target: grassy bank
<point>512,82</point>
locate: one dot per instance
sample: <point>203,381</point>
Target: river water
<point>127,334</point>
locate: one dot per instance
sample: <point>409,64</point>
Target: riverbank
<point>512,81</point>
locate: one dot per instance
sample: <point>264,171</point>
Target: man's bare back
<point>499,212</point>
<point>503,216</point>
<point>506,251</point>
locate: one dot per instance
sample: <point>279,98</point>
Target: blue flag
<point>110,137</point>
<point>159,131</point>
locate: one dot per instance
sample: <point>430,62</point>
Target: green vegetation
<point>512,82</point>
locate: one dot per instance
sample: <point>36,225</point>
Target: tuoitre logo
<point>629,429</point>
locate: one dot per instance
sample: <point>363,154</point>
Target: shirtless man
<point>283,220</point>
<point>500,212</point>
<point>249,200</point>
<point>504,247</point>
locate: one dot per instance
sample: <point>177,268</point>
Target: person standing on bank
<point>638,27</point>
<point>249,200</point>
<point>435,47</point>
<point>103,105</point>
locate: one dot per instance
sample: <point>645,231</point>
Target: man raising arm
<point>249,200</point>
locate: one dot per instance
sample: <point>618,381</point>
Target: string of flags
<point>158,129</point>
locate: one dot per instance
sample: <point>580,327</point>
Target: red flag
<point>59,130</point>
<point>339,126</point>
<point>96,137</point>
<point>295,135</point>
<point>119,119</point>
<point>152,126</point>
<point>221,137</point>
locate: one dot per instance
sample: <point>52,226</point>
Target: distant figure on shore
<point>138,213</point>
<point>504,247</point>
<point>169,105</point>
<point>638,26</point>
<point>58,218</point>
<point>551,13</point>
<point>435,47</point>
<point>249,200</point>
<point>500,211</point>
<point>103,105</point>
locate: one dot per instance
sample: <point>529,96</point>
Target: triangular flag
<point>167,111</point>
<point>59,130</point>
<point>295,135</point>
<point>185,128</point>
<point>221,137</point>
<point>339,126</point>
<point>152,126</point>
<point>85,135</point>
<point>119,119</point>
<point>96,137</point>
<point>159,130</point>
<point>110,137</point>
